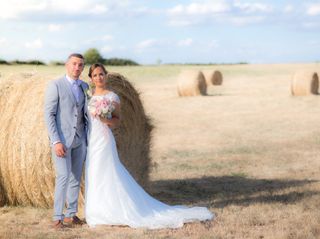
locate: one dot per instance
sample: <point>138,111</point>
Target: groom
<point>66,120</point>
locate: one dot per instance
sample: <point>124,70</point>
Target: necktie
<point>75,90</point>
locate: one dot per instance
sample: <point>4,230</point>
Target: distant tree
<point>35,62</point>
<point>56,63</point>
<point>30,62</point>
<point>92,55</point>
<point>119,62</point>
<point>18,62</point>
<point>3,62</point>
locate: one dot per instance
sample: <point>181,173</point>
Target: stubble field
<point>248,150</point>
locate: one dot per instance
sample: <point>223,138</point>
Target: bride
<point>112,196</point>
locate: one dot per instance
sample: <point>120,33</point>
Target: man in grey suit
<point>66,120</point>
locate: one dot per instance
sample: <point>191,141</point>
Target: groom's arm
<point>50,111</point>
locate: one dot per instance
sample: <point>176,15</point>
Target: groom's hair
<point>94,66</point>
<point>77,55</point>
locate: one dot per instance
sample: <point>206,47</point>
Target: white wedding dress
<point>113,197</point>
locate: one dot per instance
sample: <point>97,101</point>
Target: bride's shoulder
<point>114,96</point>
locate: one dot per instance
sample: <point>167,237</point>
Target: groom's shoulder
<point>55,84</point>
<point>57,80</point>
<point>85,84</point>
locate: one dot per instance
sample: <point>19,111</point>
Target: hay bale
<point>213,77</point>
<point>26,169</point>
<point>191,83</point>
<point>3,199</point>
<point>25,165</point>
<point>133,137</point>
<point>305,83</point>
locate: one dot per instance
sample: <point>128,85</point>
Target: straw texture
<point>213,77</point>
<point>26,170</point>
<point>305,83</point>
<point>133,137</point>
<point>191,83</point>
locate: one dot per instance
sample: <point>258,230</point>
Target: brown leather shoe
<point>74,221</point>
<point>58,224</point>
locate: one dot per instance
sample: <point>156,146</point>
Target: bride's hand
<point>115,120</point>
<point>112,123</point>
<point>105,120</point>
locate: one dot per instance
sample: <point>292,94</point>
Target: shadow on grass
<point>217,94</point>
<point>228,190</point>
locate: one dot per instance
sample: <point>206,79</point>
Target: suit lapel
<point>85,96</point>
<point>83,90</point>
<point>68,89</point>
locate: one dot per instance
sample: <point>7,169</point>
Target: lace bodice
<point>110,95</point>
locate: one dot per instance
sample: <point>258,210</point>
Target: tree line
<point>91,56</point>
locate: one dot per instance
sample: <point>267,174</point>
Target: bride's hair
<point>94,66</point>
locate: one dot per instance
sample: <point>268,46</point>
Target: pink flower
<point>101,107</point>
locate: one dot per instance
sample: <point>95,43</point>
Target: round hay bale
<point>25,165</point>
<point>133,137</point>
<point>305,83</point>
<point>191,83</point>
<point>213,77</point>
<point>26,169</point>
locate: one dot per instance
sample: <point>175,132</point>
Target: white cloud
<point>99,9</point>
<point>100,39</point>
<point>147,43</point>
<point>185,42</point>
<point>14,8</point>
<point>181,22</point>
<point>59,45</point>
<point>3,40</point>
<point>107,38</point>
<point>107,49</point>
<point>154,44</point>
<point>176,10</point>
<point>252,7</point>
<point>198,9</point>
<point>25,9</point>
<point>288,8</point>
<point>196,13</point>
<point>205,12</point>
<point>245,20</point>
<point>54,27</point>
<point>313,9</point>
<point>36,44</point>
<point>70,6</point>
<point>113,49</point>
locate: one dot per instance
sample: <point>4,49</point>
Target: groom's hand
<point>60,150</point>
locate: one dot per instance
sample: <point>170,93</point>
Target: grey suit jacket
<point>60,111</point>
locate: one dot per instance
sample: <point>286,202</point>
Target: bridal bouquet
<point>101,107</point>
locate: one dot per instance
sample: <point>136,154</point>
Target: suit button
<point>74,127</point>
<point>76,115</point>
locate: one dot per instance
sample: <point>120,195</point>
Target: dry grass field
<point>248,150</point>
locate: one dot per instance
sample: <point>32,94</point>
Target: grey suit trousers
<point>68,177</point>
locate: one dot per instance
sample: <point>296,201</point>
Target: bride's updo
<point>94,66</point>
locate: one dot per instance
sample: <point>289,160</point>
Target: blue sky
<point>170,31</point>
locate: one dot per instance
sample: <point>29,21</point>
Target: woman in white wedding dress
<point>112,196</point>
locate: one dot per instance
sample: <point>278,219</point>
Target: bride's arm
<point>115,120</point>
